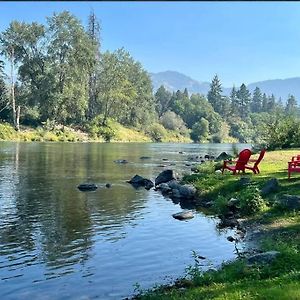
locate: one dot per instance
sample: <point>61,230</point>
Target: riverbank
<point>271,223</point>
<point>118,133</point>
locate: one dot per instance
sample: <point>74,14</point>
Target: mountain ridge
<point>173,81</point>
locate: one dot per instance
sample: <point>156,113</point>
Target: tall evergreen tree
<point>214,95</point>
<point>163,98</point>
<point>94,34</point>
<point>234,102</point>
<point>291,105</point>
<point>264,103</point>
<point>244,98</point>
<point>271,103</point>
<point>256,104</point>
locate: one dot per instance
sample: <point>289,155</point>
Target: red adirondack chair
<point>294,165</point>
<point>254,167</point>
<point>240,163</point>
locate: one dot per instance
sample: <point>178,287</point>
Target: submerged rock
<point>87,187</point>
<point>145,157</point>
<point>108,185</point>
<point>121,161</point>
<point>184,215</point>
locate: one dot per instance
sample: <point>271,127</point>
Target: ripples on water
<point>57,242</point>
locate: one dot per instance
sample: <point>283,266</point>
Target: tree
<point>256,104</point>
<point>162,99</point>
<point>214,96</point>
<point>200,130</point>
<point>115,89</point>
<point>3,89</point>
<point>234,102</point>
<point>271,103</point>
<point>71,54</point>
<point>244,98</point>
<point>264,103</point>
<point>94,34</point>
<point>291,105</point>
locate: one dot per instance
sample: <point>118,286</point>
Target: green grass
<point>236,280</point>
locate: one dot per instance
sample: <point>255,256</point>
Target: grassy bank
<point>279,229</point>
<point>118,133</point>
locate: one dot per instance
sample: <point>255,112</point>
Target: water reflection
<point>51,230</point>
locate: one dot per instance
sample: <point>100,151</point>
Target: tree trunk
<point>15,114</point>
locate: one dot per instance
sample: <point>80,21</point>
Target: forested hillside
<point>56,74</point>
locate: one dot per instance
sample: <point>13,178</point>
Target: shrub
<point>157,132</point>
<point>251,201</point>
<point>172,121</point>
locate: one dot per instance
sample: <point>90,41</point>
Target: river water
<point>57,242</point>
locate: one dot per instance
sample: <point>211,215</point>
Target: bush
<point>157,132</point>
<point>251,201</point>
<point>200,130</point>
<point>172,121</point>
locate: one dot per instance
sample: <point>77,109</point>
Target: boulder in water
<point>184,215</point>
<point>87,187</point>
<point>165,176</point>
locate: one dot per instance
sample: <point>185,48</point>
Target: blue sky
<point>240,41</point>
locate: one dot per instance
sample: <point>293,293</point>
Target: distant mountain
<point>279,87</point>
<point>174,81</point>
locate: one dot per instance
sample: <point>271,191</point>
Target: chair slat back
<point>261,156</point>
<point>243,159</point>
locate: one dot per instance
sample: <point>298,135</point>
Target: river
<point>57,242</point>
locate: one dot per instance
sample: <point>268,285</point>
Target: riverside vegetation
<point>56,84</point>
<point>277,228</point>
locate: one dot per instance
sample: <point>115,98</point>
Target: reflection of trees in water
<point>47,215</point>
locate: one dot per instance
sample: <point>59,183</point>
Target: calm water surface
<point>59,243</point>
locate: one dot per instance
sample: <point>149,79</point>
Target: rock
<point>195,169</point>
<point>184,215</point>
<point>108,185</point>
<point>244,181</point>
<point>173,184</point>
<point>138,180</point>
<point>176,194</point>
<point>218,172</point>
<point>263,258</point>
<point>148,184</point>
<point>228,223</point>
<point>181,152</point>
<point>187,191</point>
<point>223,156</point>
<point>165,176</point>
<point>206,156</point>
<point>145,157</point>
<point>233,202</point>
<point>87,187</point>
<point>270,186</point>
<point>164,188</point>
<point>121,161</point>
<point>188,165</point>
<point>231,239</point>
<point>165,159</point>
<point>291,202</point>
<point>162,166</point>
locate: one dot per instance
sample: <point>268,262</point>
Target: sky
<point>242,42</point>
